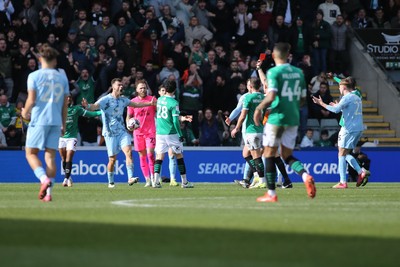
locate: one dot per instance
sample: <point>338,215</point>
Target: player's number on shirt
<point>53,94</point>
<point>162,112</point>
<point>291,93</point>
<point>358,109</point>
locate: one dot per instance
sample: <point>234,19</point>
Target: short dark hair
<point>255,82</point>
<point>170,86</point>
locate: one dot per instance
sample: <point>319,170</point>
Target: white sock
<point>156,178</point>
<point>183,177</point>
<point>272,193</point>
<point>49,189</point>
<point>43,178</point>
<point>263,180</point>
<point>304,176</point>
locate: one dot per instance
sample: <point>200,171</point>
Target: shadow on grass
<point>49,243</point>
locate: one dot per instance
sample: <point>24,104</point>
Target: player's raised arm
<point>90,107</point>
<point>153,102</point>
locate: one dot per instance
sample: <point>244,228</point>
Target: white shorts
<point>68,143</point>
<point>253,141</point>
<point>274,136</point>
<point>348,140</point>
<point>163,142</point>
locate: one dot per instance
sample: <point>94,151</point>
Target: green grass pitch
<point>211,225</point>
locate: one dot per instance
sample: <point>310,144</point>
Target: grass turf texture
<point>210,225</point>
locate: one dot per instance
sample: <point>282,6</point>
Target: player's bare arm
<point>90,107</point>
<point>153,102</point>
<point>30,102</point>
<point>241,119</point>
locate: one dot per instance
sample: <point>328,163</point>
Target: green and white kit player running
<point>287,86</point>
<point>253,134</point>
<point>68,142</point>
<point>169,134</point>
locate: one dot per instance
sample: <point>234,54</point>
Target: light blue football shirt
<point>351,107</point>
<point>51,87</point>
<point>112,115</point>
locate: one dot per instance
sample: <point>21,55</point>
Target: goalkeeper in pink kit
<point>144,137</point>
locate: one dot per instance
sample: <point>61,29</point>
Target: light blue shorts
<point>115,144</point>
<point>348,140</point>
<point>41,137</point>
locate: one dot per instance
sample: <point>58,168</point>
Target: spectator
<point>222,23</point>
<point>151,77</point>
<point>191,95</point>
<point>125,26</point>
<point>100,138</point>
<point>12,40</point>
<point>197,55</point>
<point>243,63</point>
<point>183,11</point>
<point>228,140</point>
<point>3,141</point>
<point>263,17</point>
<point>242,20</point>
<point>6,67</point>
<point>196,31</point>
<point>67,11</point>
<point>20,64</point>
<point>316,81</point>
<point>23,29</point>
<point>173,36</point>
<point>21,124</point>
<point>51,8</point>
<point>65,61</point>
<point>44,27</point>
<point>30,14</point>
<point>118,71</point>
<point>201,12</point>
<point>13,137</point>
<point>152,22</point>
<point>72,39</point>
<point>208,71</point>
<point>362,160</point>
<point>390,8</point>
<point>8,115</point>
<point>81,57</point>
<point>60,29</point>
<point>188,135</point>
<point>277,32</point>
<point>86,87</point>
<point>219,90</point>
<point>7,9</point>
<point>124,11</point>
<point>300,40</point>
<point>96,13</point>
<point>21,89</point>
<point>210,128</point>
<point>166,19</point>
<point>318,111</point>
<point>151,46</point>
<point>324,140</point>
<point>339,57</point>
<point>242,90</point>
<point>330,10</point>
<point>379,21</point>
<point>395,21</point>
<point>128,50</point>
<point>168,70</point>
<point>321,42</point>
<point>307,140</point>
<point>180,57</point>
<point>252,38</point>
<point>128,89</point>
<point>372,5</point>
<point>105,29</point>
<point>361,21</point>
<point>82,26</point>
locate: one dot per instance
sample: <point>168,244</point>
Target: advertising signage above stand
<point>383,44</point>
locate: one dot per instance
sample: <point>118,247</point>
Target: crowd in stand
<point>209,47</point>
